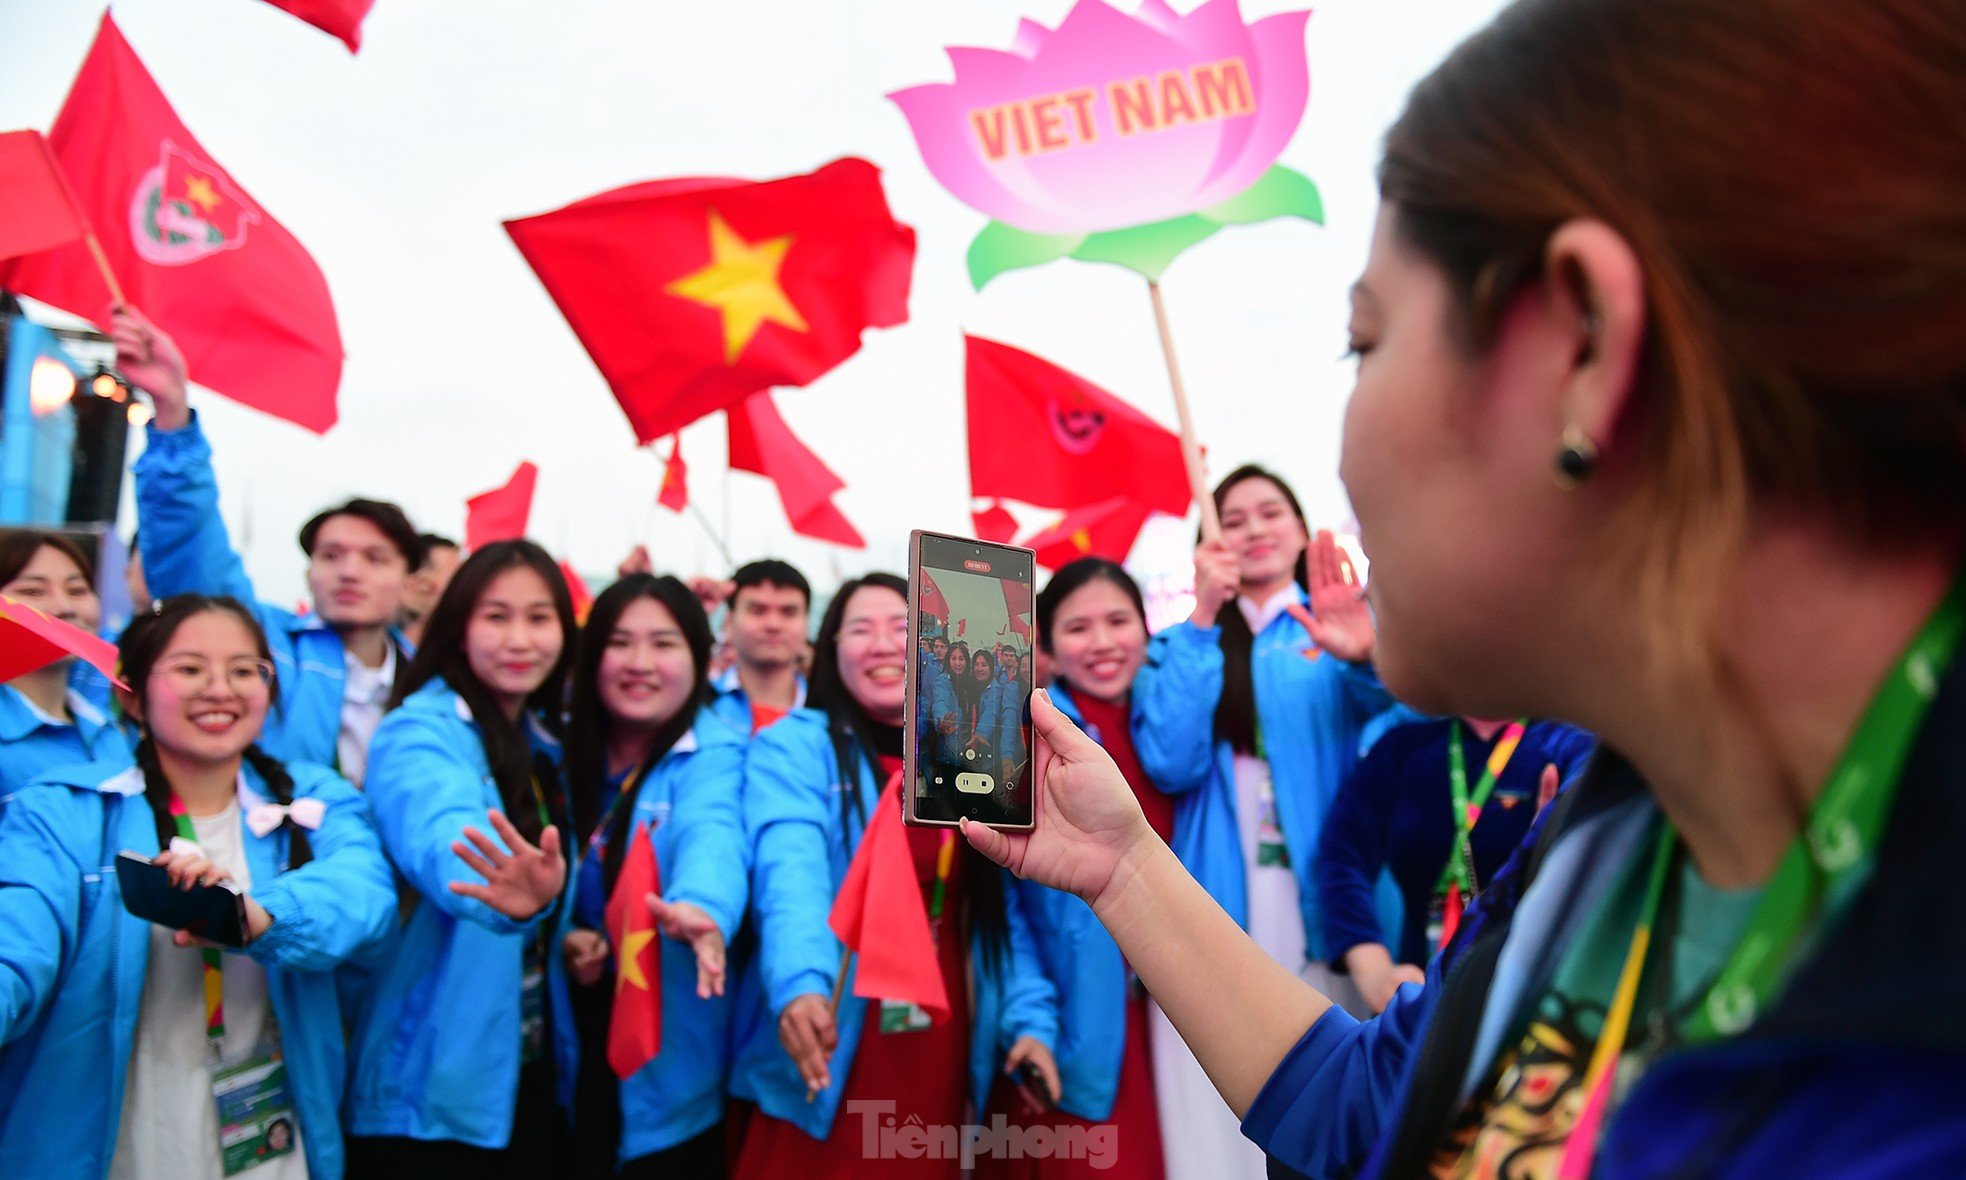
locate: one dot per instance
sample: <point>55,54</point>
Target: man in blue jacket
<point>765,625</point>
<point>336,664</point>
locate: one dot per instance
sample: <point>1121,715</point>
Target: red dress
<point>1135,1119</point>
<point>924,1075</point>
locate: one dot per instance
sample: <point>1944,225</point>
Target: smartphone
<point>215,913</point>
<point>966,743</point>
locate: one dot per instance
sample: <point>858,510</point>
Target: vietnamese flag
<point>1106,529</point>
<point>1070,442</point>
<point>36,211</point>
<point>342,18</point>
<point>691,295</point>
<point>244,300</point>
<point>994,523</point>
<point>675,478</point>
<point>502,513</point>
<point>635,1024</point>
<point>880,916</point>
<point>30,640</point>
<point>761,442</point>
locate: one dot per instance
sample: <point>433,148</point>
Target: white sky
<point>396,166</point>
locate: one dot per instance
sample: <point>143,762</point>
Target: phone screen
<point>970,715</point>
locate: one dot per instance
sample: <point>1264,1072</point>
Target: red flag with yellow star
<point>1106,529</point>
<point>635,1025</point>
<point>245,301</point>
<point>691,295</point>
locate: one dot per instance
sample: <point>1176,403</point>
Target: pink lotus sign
<point>1119,138</point>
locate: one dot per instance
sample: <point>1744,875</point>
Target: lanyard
<point>1825,863</point>
<point>214,976</point>
<point>1467,808</point>
<point>597,841</point>
<point>945,863</point>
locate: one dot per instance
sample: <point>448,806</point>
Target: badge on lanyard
<point>1271,851</point>
<point>901,1016</point>
<point>256,1119</point>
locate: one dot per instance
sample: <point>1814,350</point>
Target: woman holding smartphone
<point>646,760</point>
<point>116,1030</point>
<point>1666,443</point>
<point>454,1064</point>
<point>44,722</point>
<point>825,1079</point>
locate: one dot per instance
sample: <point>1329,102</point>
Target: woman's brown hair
<point>1791,175</point>
<point>18,548</point>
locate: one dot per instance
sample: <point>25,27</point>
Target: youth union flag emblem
<point>185,209</point>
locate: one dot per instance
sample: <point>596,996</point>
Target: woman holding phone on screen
<point>1690,429</point>
<point>115,1030</point>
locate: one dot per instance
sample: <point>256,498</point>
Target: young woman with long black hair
<point>648,760</point>
<point>115,1032</point>
<point>454,1061</point>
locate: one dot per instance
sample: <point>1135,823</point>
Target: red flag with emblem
<point>934,603</point>
<point>502,513</point>
<point>245,302</point>
<point>1048,437</point>
<point>675,478</point>
<point>342,18</point>
<point>762,442</point>
<point>691,295</point>
<point>635,1024</point>
<point>30,639</point>
<point>880,916</point>
<point>1106,529</point>
<point>995,523</point>
<point>36,212</point>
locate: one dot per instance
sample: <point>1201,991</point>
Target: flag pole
<point>1211,524</point>
<point>108,275</point>
<point>833,1005</point>
<point>729,561</point>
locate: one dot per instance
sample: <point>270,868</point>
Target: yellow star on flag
<point>741,281</point>
<point>631,964</point>
<point>199,189</point>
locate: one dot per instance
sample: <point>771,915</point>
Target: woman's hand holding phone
<point>189,870</point>
<point>1088,821</point>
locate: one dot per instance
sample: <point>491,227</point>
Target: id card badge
<point>532,1014</point>
<point>898,1016</point>
<point>256,1119</point>
<point>1271,851</point>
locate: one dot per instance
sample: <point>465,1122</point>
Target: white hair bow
<point>264,817</point>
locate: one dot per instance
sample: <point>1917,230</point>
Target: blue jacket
<point>1854,1071</point>
<point>733,706</point>
<point>186,551</point>
<point>72,959</point>
<point>32,743</point>
<point>436,1043</point>
<point>800,849</point>
<point>1317,715</point>
<point>1077,954</point>
<point>691,804</point>
<point>1000,720</point>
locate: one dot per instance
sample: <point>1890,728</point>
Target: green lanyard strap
<point>213,971</point>
<point>1467,808</point>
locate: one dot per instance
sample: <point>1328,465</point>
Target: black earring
<point>1577,459</point>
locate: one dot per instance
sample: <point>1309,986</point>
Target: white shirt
<point>364,693</point>
<point>1260,616</point>
<point>170,1122</point>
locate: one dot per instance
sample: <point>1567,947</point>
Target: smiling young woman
<point>1665,303</point>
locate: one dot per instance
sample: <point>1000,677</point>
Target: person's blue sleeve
<point>179,532</point>
<point>40,901</point>
<point>1175,697</point>
<point>1326,1104</point>
<point>1352,852</point>
<point>424,797</point>
<point>1030,1006</point>
<point>342,899</point>
<point>713,860</point>
<point>786,794</point>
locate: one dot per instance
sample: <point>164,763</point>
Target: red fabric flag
<point>501,514</point>
<point>583,598</point>
<point>31,640</point>
<point>36,212</point>
<point>692,295</point>
<point>675,478</point>
<point>934,603</point>
<point>244,300</point>
<point>635,1025</point>
<point>995,523</point>
<point>342,18</point>
<point>880,916</point>
<point>1106,529</point>
<point>761,442</point>
<point>1071,443</point>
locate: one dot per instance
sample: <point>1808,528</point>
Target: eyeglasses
<point>190,675</point>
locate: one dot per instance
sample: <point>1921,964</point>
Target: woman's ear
<point>1595,277</point>
<point>131,706</point>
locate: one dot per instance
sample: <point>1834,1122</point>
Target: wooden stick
<point>108,275</point>
<point>839,987</point>
<point>1211,524</point>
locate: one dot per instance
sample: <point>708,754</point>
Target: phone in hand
<point>215,913</point>
<point>966,742</point>
<point>1031,1078</point>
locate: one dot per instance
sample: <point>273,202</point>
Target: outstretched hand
<point>1341,622</point>
<point>519,883</point>
<point>149,358</point>
<point>687,923</point>
<point>1087,817</point>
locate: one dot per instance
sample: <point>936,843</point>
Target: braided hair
<point>138,651</point>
